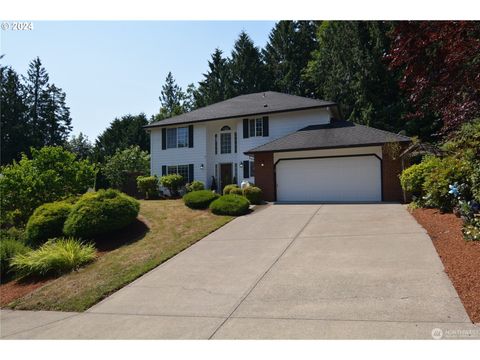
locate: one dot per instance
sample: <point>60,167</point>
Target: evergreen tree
<point>248,70</point>
<point>348,67</point>
<point>81,146</point>
<point>217,83</point>
<point>174,101</point>
<point>13,116</point>
<point>121,134</point>
<point>287,53</point>
<point>36,83</point>
<point>55,116</point>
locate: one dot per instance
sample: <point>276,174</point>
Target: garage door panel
<point>343,179</point>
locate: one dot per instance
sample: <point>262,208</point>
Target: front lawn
<point>166,228</point>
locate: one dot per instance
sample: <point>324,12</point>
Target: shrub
<point>148,185</point>
<point>199,199</point>
<point>47,222</point>
<point>228,188</point>
<point>236,191</point>
<point>447,171</point>
<point>413,178</point>
<point>51,174</point>
<point>230,205</point>
<point>172,182</point>
<point>253,194</point>
<point>57,256</point>
<point>471,231</point>
<point>125,166</point>
<point>9,248</point>
<point>99,213</point>
<point>195,185</point>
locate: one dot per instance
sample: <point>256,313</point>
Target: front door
<point>226,176</point>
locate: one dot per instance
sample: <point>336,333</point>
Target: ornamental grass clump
<point>55,257</point>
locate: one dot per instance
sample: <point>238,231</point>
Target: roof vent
<point>265,105</point>
<point>264,95</point>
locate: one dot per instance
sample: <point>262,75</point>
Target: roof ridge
<point>381,130</point>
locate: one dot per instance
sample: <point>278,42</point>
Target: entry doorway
<point>226,175</point>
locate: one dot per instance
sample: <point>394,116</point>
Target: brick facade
<point>391,169</point>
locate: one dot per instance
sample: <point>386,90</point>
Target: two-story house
<point>294,148</point>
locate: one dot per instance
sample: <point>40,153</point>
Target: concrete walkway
<point>285,271</point>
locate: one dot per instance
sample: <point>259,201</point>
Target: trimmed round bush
<point>195,185</point>
<point>99,213</point>
<point>236,191</point>
<point>253,194</point>
<point>234,205</point>
<point>56,256</point>
<point>228,188</point>
<point>9,248</point>
<point>47,222</point>
<point>199,199</point>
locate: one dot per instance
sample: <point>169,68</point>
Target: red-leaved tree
<point>440,66</point>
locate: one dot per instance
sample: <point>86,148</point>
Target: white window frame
<point>253,126</point>
<point>224,142</point>
<point>178,144</point>
<point>173,169</point>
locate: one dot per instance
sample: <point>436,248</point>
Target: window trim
<point>177,137</point>
<point>253,124</point>
<point>229,143</point>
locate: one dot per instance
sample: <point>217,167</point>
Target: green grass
<point>172,228</point>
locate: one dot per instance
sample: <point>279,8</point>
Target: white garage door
<point>343,179</point>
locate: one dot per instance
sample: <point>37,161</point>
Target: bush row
<point>252,193</point>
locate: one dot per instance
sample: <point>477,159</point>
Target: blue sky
<point>112,68</point>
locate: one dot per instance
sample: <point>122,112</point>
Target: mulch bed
<point>16,289</point>
<point>460,258</point>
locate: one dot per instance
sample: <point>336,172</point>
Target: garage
<point>336,162</point>
<point>330,179</point>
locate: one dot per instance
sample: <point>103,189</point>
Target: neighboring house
<point>294,148</point>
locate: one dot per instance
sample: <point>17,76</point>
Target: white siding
<point>203,151</point>
<point>180,156</point>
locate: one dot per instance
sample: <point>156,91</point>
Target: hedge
<point>234,205</point>
<point>199,199</point>
<point>99,213</point>
<point>47,222</point>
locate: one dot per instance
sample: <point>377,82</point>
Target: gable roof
<point>247,105</point>
<point>338,133</point>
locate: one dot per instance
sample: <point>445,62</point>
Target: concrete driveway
<point>284,271</point>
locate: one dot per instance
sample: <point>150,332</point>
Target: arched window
<point>225,128</point>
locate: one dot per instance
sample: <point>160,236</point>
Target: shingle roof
<point>247,105</point>
<point>338,133</point>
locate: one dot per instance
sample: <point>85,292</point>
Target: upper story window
<point>225,143</point>
<point>256,127</point>
<point>225,140</point>
<point>180,137</point>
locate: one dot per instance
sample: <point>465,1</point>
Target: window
<point>235,141</point>
<point>225,128</point>
<point>182,136</point>
<point>177,137</point>
<point>180,170</point>
<point>255,127</point>
<point>171,138</point>
<point>225,143</point>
